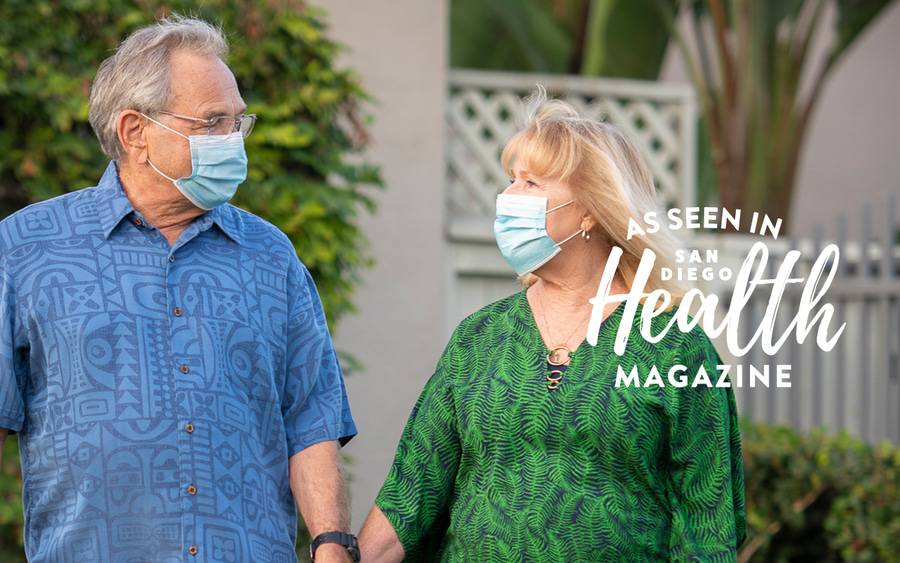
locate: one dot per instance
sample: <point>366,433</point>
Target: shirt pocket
<point>250,365</point>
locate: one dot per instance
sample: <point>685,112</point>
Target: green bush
<point>305,174</point>
<point>10,502</point>
<point>865,522</point>
<point>819,497</point>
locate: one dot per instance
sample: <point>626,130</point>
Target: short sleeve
<point>314,402</point>
<point>416,493</point>
<point>13,354</point>
<point>709,519</point>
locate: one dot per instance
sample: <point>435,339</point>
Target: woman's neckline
<point>532,321</point>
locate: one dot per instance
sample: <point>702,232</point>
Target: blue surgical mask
<point>521,231</point>
<point>218,166</point>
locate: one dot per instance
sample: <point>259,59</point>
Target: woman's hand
<point>378,542</point>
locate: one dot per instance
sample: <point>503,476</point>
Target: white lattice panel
<point>484,111</point>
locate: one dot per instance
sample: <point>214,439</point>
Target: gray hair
<point>136,76</point>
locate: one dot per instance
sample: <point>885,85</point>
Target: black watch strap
<point>342,538</point>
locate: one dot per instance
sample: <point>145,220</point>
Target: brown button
<point>138,222</point>
<point>184,368</point>
<point>177,311</point>
<point>191,490</point>
<point>192,550</point>
<point>188,427</point>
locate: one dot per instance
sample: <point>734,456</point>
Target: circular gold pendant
<point>554,359</point>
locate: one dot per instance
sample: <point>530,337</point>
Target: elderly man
<point>164,356</point>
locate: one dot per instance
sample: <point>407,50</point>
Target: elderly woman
<point>521,447</point>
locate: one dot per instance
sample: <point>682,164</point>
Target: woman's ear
<point>587,222</point>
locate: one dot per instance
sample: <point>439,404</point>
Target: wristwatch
<point>343,538</point>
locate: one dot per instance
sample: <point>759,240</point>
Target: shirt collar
<point>113,205</point>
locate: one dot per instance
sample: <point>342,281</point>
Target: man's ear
<point>130,129</point>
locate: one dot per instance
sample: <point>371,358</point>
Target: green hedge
<point>10,503</point>
<point>820,497</point>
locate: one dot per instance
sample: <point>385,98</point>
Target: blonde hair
<point>607,174</point>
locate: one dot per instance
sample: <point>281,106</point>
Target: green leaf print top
<point>493,466</point>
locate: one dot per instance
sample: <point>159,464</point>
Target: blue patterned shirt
<point>158,391</point>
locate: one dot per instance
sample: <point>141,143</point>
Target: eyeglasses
<point>222,124</point>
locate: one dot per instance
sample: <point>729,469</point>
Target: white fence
<point>856,386</point>
<point>483,110</point>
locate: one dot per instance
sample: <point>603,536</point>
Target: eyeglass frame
<point>212,121</point>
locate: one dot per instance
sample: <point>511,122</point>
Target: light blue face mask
<point>218,166</point>
<point>521,231</point>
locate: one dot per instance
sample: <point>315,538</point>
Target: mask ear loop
<point>560,206</point>
<point>160,172</point>
<point>163,125</point>
<point>573,235</point>
<point>570,237</point>
<point>153,166</point>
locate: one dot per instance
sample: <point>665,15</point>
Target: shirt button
<point>191,490</point>
<point>138,222</point>
<point>188,427</point>
<point>192,550</point>
<point>184,368</point>
<point>172,258</point>
<point>176,311</point>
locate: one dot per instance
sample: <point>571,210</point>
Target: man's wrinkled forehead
<point>203,86</point>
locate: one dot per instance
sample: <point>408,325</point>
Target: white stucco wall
<point>399,49</point>
<point>852,151</point>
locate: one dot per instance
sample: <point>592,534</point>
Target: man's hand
<point>319,487</point>
<point>332,553</point>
